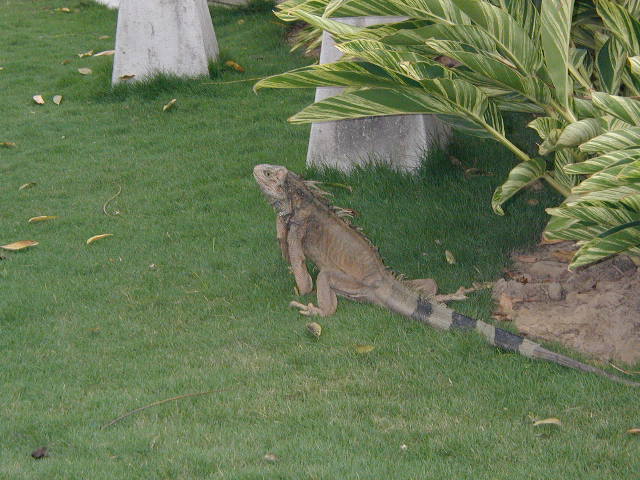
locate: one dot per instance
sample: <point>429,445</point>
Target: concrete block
<point>169,36</point>
<point>399,140</point>
<point>109,3</point>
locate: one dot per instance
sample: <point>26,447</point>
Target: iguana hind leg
<point>328,285</point>
<point>282,234</point>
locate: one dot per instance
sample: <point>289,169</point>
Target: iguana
<point>309,228</point>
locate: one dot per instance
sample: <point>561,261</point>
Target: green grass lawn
<point>190,293</point>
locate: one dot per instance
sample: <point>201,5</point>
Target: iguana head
<point>272,181</point>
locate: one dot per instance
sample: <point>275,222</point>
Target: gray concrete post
<point>169,36</point>
<point>399,140</point>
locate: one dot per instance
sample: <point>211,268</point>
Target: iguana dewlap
<point>308,228</point>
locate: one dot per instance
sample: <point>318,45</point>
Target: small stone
<point>554,289</point>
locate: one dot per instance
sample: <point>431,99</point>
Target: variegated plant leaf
<point>602,162</point>
<point>621,23</point>
<point>610,141</point>
<point>579,132</point>
<point>610,61</point>
<point>625,108</point>
<point>519,177</point>
<point>617,240</point>
<point>555,32</point>
<point>514,42</point>
<point>545,125</point>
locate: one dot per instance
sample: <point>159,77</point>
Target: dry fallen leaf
<point>38,99</point>
<point>127,77</point>
<point>271,457</point>
<point>42,218</point>
<point>169,105</point>
<point>634,431</point>
<point>533,201</point>
<point>105,53</point>
<point>450,258</point>
<point>104,37</point>
<point>63,9</point>
<point>236,66</point>
<point>241,21</point>
<point>364,348</point>
<point>66,61</point>
<point>7,144</point>
<point>98,237</point>
<point>85,71</point>
<point>314,329</point>
<point>564,255</point>
<point>86,54</point>
<point>547,421</point>
<point>39,453</point>
<point>24,186</point>
<point>19,245</point>
<point>527,258</point>
<point>57,99</point>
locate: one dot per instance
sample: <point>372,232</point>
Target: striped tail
<point>441,317</point>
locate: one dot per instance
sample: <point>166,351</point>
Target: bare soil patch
<point>594,310</point>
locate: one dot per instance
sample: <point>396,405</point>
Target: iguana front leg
<point>328,284</point>
<point>282,234</point>
<point>296,259</point>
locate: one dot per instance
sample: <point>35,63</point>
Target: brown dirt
<point>594,310</point>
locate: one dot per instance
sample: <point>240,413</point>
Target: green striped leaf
<point>634,66</point>
<point>598,213</point>
<point>555,32</point>
<point>560,160</point>
<point>512,39</point>
<point>618,21</point>
<point>619,241</point>
<point>339,74</point>
<point>610,141</point>
<point>610,61</point>
<point>579,132</point>
<point>597,164</point>
<point>562,228</point>
<point>624,108</point>
<point>354,8</point>
<point>545,125</point>
<point>631,172</point>
<point>519,177</point>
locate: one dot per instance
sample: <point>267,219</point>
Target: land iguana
<point>309,228</point>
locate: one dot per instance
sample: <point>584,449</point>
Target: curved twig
<point>160,402</point>
<point>104,207</point>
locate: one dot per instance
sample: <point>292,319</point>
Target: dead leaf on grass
<point>533,202</point>
<point>63,10</point>
<point>314,329</point>
<point>548,421</point>
<point>105,53</point>
<point>7,144</point>
<point>57,99</point>
<point>169,105</point>
<point>564,255</point>
<point>39,453</point>
<point>271,457</point>
<point>86,54</point>
<point>98,237</point>
<point>104,37</point>
<point>450,258</point>
<point>527,258</point>
<point>127,76</point>
<point>24,186</point>
<point>634,431</point>
<point>42,218</point>
<point>38,99</point>
<point>364,348</point>
<point>236,66</point>
<point>85,71</point>
<point>22,244</point>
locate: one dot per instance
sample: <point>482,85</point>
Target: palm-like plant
<point>576,67</point>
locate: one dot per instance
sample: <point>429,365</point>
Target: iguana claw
<point>309,309</point>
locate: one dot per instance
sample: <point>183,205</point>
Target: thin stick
<point>104,207</point>
<point>160,402</point>
<point>623,371</point>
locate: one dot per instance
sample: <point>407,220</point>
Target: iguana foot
<point>308,310</point>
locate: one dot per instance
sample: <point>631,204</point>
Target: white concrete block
<point>169,36</point>
<point>109,3</point>
<point>399,140</point>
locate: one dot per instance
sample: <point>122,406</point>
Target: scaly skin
<point>349,266</point>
